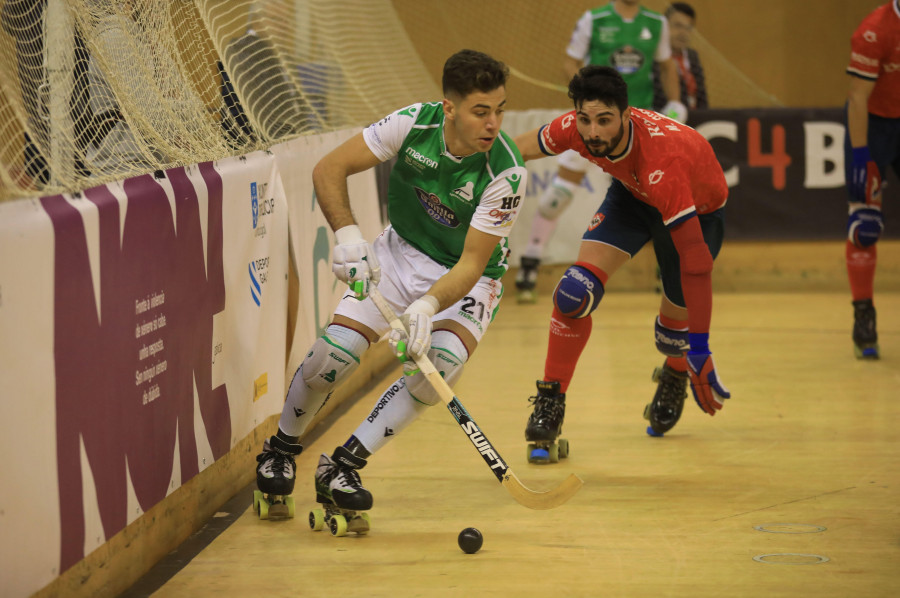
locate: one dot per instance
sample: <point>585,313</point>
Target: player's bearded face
<point>601,127</point>
<point>474,121</point>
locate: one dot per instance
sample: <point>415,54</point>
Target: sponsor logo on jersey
<point>891,67</point>
<point>465,193</point>
<point>410,111</point>
<point>655,176</point>
<point>567,120</point>
<point>626,60</point>
<point>862,59</point>
<point>596,220</point>
<point>870,36</point>
<point>436,209</point>
<point>421,158</point>
<point>504,217</point>
<point>645,34</point>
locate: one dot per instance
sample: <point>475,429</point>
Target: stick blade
<point>542,501</point>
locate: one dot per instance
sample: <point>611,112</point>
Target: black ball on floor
<point>470,540</point>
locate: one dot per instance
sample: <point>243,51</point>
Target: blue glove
<point>865,180</point>
<point>709,393</point>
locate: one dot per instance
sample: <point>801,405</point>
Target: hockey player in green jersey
<point>453,196</point>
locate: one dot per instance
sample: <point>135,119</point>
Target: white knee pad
<point>332,358</point>
<point>556,198</point>
<point>448,354</point>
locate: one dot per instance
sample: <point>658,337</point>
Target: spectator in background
<point>630,38</point>
<point>872,144</point>
<point>682,19</point>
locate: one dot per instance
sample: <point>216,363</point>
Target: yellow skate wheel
<point>553,449</point>
<point>257,496</point>
<point>657,372</point>
<point>338,525</point>
<point>563,448</point>
<point>289,503</point>
<point>262,508</point>
<point>317,520</point>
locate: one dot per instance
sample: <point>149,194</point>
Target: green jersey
<point>434,196</point>
<point>603,37</point>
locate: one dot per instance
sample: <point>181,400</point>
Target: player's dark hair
<point>469,70</point>
<point>682,7</point>
<point>602,83</point>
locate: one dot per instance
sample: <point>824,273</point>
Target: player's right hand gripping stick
<point>709,393</point>
<point>354,262</point>
<point>417,322</point>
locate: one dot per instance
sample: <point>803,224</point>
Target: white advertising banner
<point>312,240</point>
<point>141,336</point>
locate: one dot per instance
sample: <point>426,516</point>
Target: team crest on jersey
<point>436,208</point>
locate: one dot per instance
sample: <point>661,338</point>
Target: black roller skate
<point>545,425</point>
<point>664,410</point>
<point>865,337</point>
<point>275,476</point>
<point>526,280</point>
<point>341,494</point>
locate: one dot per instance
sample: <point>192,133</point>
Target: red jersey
<point>667,164</point>
<point>875,55</point>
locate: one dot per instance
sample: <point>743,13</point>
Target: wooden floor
<point>792,490</point>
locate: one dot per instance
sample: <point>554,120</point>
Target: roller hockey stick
<point>524,495</point>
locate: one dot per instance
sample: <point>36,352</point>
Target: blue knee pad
<point>864,225</point>
<point>578,292</point>
<point>670,342</point>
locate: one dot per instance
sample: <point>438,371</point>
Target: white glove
<point>676,111</point>
<point>415,340</point>
<point>354,262</point>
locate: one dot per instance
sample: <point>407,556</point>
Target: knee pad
<point>864,225</point>
<point>449,355</point>
<point>332,358</point>
<point>669,342</point>
<point>555,199</point>
<point>578,292</point>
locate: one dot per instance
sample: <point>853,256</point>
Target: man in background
<point>682,19</point>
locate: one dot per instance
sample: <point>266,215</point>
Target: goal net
<point>92,91</point>
<point>97,90</point>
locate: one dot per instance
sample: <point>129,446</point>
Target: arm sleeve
<point>581,38</point>
<point>696,273</point>
<point>385,137</point>
<point>499,205</point>
<point>663,49</point>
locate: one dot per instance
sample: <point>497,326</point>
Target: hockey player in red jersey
<point>668,189</point>
<point>872,144</point>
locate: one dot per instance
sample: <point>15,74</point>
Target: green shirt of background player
<point>453,196</point>
<point>630,38</point>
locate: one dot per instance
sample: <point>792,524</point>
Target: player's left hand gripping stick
<point>709,392</point>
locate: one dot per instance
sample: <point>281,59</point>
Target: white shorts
<point>406,275</point>
<point>573,161</point>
